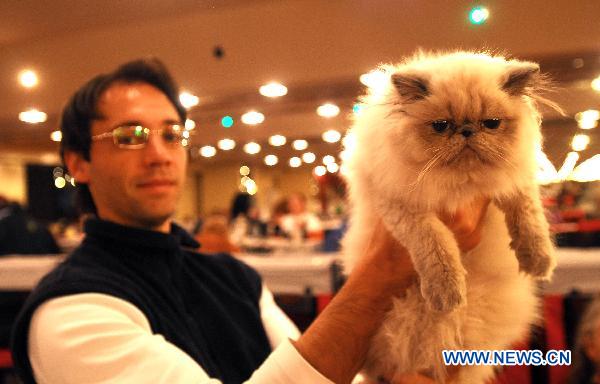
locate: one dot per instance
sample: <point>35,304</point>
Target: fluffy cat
<point>440,131</point>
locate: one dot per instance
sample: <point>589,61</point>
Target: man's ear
<point>78,167</point>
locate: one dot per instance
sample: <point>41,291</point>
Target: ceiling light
<point>208,151</point>
<point>332,167</point>
<point>320,170</point>
<point>190,124</point>
<point>309,157</point>
<point>253,118</point>
<point>56,136</point>
<point>60,182</point>
<point>587,171</point>
<point>188,100</point>
<point>328,159</point>
<point>226,144</point>
<point>250,186</point>
<point>244,170</point>
<point>252,148</point>
<point>300,145</point>
<point>331,136</point>
<point>588,119</point>
<point>271,160</point>
<point>273,90</point>
<point>33,116</point>
<point>184,142</point>
<point>376,79</point>
<point>28,78</point>
<point>328,110</point>
<point>568,165</point>
<point>227,121</point>
<point>580,142</point>
<point>277,140</point>
<point>295,162</point>
<point>479,15</point>
<point>596,84</point>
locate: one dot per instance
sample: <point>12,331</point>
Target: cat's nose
<point>466,132</point>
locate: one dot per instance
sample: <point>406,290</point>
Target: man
<point>132,304</point>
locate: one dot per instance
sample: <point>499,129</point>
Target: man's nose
<point>156,151</point>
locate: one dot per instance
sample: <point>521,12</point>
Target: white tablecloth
<point>297,273</point>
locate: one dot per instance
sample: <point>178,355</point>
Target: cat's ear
<point>410,86</point>
<point>521,78</point>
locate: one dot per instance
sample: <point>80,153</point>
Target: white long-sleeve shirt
<point>98,338</point>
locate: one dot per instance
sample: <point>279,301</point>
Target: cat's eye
<point>440,125</point>
<point>491,123</point>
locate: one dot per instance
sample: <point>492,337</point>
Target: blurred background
<point>271,86</point>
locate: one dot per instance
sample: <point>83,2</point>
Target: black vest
<point>207,305</point>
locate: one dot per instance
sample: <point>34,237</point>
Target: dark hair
<point>241,204</point>
<point>82,109</point>
<point>583,368</point>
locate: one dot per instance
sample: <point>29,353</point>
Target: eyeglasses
<point>136,136</point>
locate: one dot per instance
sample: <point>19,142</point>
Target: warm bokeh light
<point>28,78</point>
<point>568,165</point>
<point>253,118</point>
<point>189,124</point>
<point>588,119</point>
<point>295,162</point>
<point>188,100</point>
<point>244,170</point>
<point>32,116</point>
<point>56,136</point>
<point>332,167</point>
<point>273,90</point>
<point>60,182</point>
<point>547,173</point>
<point>331,136</point>
<point>271,160</point>
<point>226,144</point>
<point>277,140</point>
<point>580,142</point>
<point>208,151</point>
<point>376,79</point>
<point>252,148</point>
<point>596,84</point>
<point>309,157</point>
<point>300,145</point>
<point>328,159</point>
<point>320,170</point>
<point>587,171</point>
<point>250,185</point>
<point>328,110</point>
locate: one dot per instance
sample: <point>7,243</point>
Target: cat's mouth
<point>467,154</point>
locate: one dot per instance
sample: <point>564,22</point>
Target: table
<point>578,268</point>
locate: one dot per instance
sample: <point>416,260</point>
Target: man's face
<point>135,187</point>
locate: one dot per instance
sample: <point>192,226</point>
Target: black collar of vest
<point>137,237</point>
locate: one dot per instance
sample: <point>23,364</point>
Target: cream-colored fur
<point>401,170</point>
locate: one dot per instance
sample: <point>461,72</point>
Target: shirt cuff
<point>286,365</point>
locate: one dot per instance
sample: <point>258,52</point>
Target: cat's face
<point>467,115</point>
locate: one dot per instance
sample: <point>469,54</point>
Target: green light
<point>478,15</point>
<point>227,121</point>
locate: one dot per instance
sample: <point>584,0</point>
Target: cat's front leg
<point>434,253</point>
<point>529,233</point>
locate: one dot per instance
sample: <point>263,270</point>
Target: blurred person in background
<point>213,235</point>
<point>299,222</point>
<point>21,234</point>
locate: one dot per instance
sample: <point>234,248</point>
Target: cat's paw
<point>536,258</point>
<point>444,295</point>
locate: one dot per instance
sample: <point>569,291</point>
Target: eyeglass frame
<point>146,130</point>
